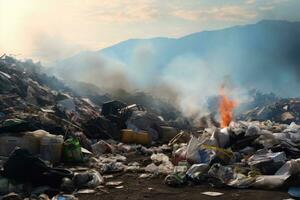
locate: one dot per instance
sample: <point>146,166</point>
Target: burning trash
<point>226,107</point>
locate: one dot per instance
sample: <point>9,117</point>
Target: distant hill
<point>265,55</point>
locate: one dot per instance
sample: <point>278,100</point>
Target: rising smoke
<point>186,81</point>
<point>187,71</point>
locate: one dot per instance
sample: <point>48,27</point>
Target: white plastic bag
<point>192,154</point>
<point>270,182</point>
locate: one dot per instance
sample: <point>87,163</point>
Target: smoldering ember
<point>212,114</point>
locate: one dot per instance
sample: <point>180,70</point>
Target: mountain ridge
<point>267,50</point>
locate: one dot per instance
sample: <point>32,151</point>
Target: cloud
<point>187,14</point>
<point>122,11</point>
<point>224,13</point>
<point>266,8</point>
<point>250,1</point>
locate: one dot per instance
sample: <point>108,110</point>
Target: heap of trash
<point>30,101</point>
<point>281,111</point>
<point>55,144</point>
<point>243,155</point>
<point>44,125</point>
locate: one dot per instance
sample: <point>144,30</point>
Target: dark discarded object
<point>101,128</point>
<point>112,108</point>
<point>22,166</point>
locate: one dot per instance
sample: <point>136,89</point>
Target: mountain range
<point>264,56</point>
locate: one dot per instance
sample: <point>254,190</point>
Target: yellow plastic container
<point>142,138</point>
<point>127,135</point>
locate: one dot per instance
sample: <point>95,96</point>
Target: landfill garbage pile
<point>253,154</point>
<point>57,145</point>
<point>30,101</point>
<point>45,128</point>
<point>281,111</point>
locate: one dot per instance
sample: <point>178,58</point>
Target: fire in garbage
<point>226,107</point>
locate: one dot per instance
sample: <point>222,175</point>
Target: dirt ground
<point>148,189</point>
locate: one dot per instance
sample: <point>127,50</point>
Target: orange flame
<point>226,107</point>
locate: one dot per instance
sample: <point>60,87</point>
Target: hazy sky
<point>49,30</point>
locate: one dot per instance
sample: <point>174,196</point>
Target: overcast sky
<point>61,28</point>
